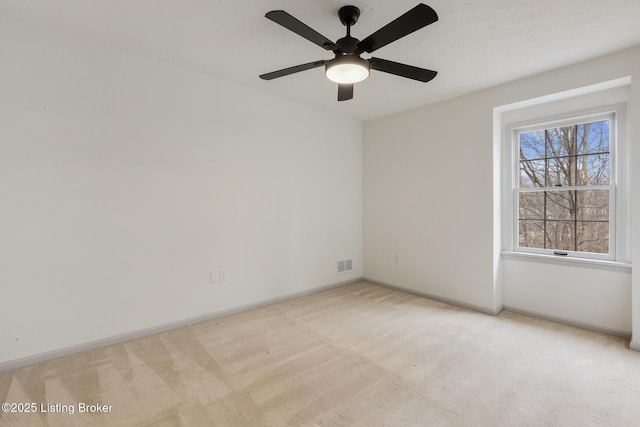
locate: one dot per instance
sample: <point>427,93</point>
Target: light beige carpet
<point>359,355</point>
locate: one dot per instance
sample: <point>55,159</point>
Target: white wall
<point>595,297</point>
<point>124,181</point>
<point>427,198</point>
<point>432,186</point>
<point>634,137</point>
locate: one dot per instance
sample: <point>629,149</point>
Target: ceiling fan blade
<point>345,92</point>
<point>418,17</point>
<point>295,69</point>
<point>402,70</point>
<point>289,22</point>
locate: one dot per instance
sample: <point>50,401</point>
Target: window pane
<point>593,205</point>
<point>561,141</point>
<point>560,235</point>
<point>567,212</point>
<point>532,173</point>
<point>531,234</point>
<point>593,237</point>
<point>593,169</point>
<point>531,205</point>
<point>560,172</point>
<point>593,137</point>
<point>532,145</point>
<point>560,205</point>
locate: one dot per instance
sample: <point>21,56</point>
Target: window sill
<point>578,262</point>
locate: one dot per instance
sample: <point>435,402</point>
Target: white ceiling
<point>475,44</point>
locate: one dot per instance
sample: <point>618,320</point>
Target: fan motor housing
<point>347,44</point>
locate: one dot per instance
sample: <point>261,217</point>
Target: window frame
<point>616,114</point>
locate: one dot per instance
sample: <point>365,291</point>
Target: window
<point>565,186</point>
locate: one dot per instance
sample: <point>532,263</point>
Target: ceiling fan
<point>348,67</point>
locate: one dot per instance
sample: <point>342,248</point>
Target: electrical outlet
<point>214,276</point>
<point>224,275</point>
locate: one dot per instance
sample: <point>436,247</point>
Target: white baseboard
<point>450,301</point>
<point>141,333</point>
<point>487,310</point>
<point>595,328</point>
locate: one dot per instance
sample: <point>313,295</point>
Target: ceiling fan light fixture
<point>347,69</point>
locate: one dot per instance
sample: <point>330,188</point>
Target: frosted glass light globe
<point>347,69</point>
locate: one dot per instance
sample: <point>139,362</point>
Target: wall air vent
<point>345,265</point>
